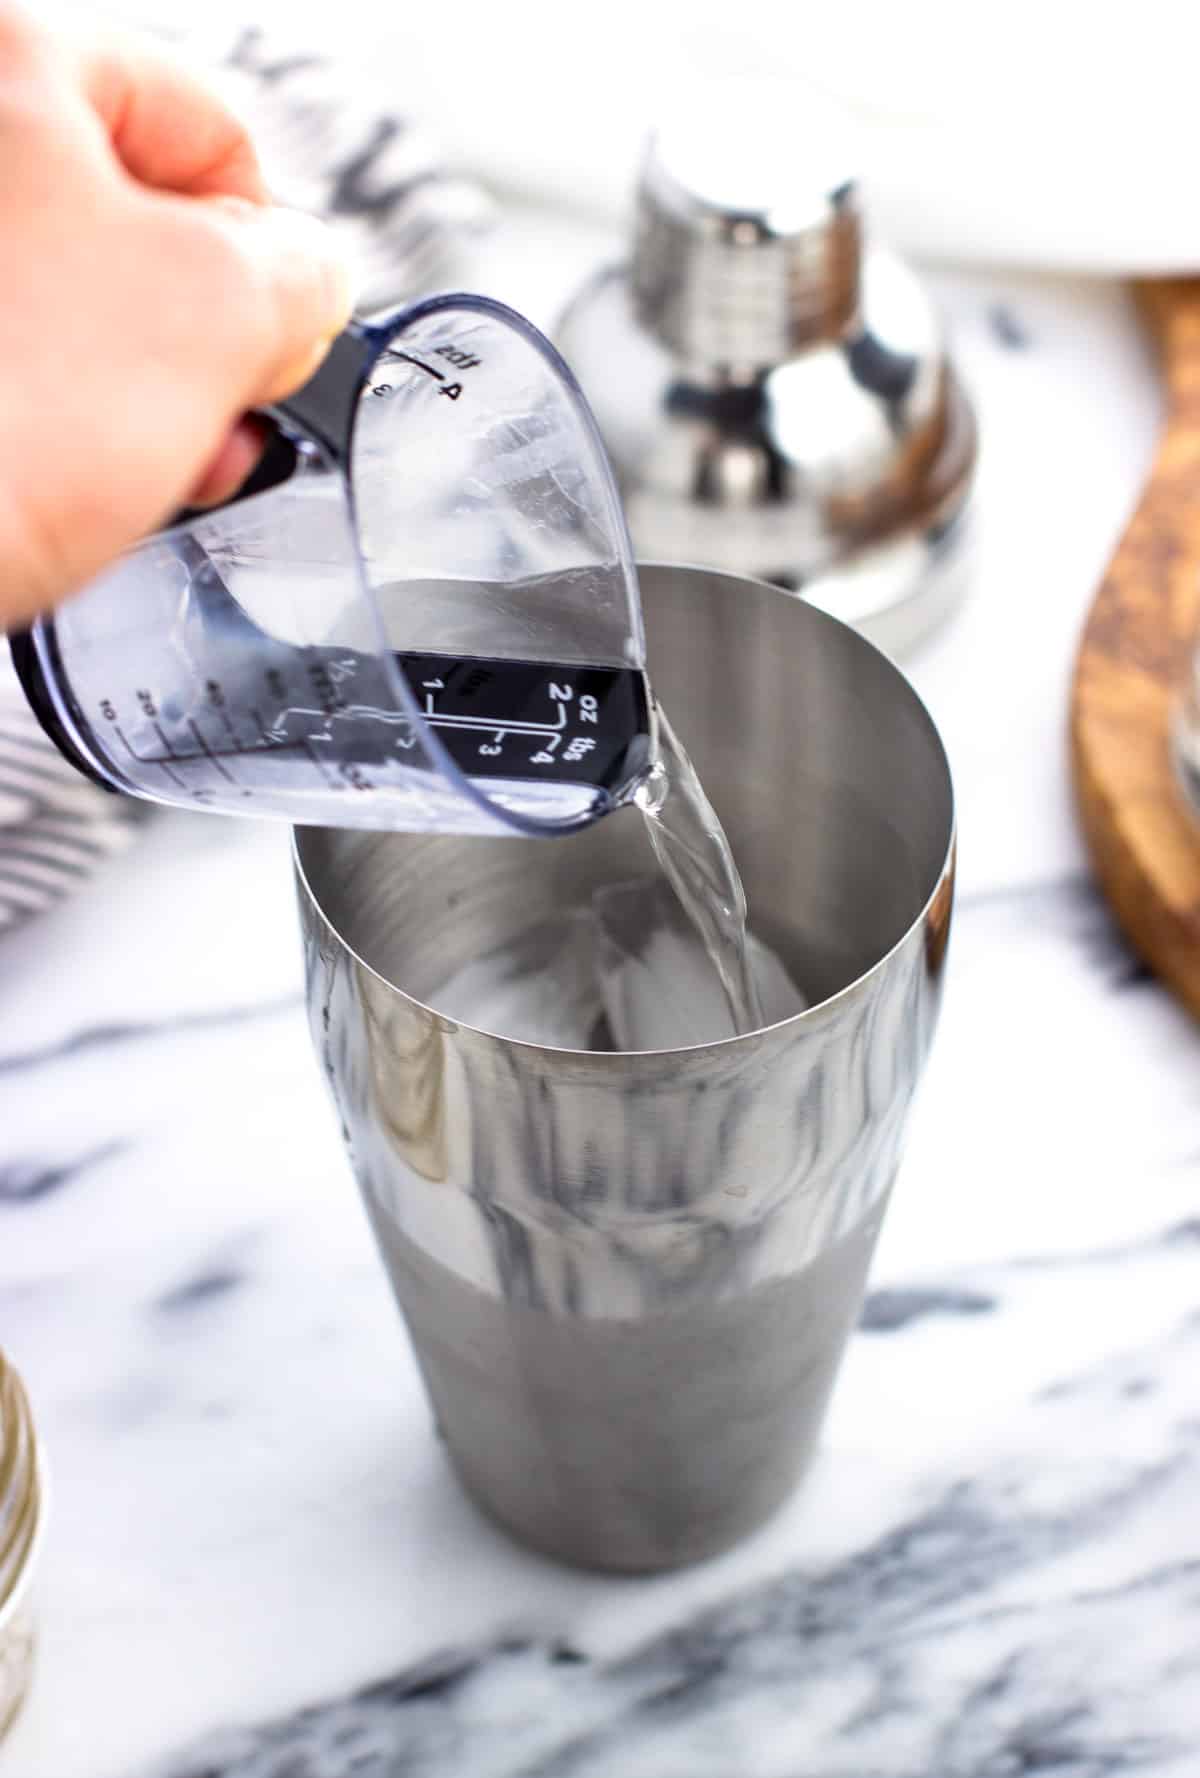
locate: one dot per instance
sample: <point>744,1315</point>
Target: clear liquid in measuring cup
<point>511,719</point>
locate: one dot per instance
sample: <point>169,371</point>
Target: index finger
<point>166,126</point>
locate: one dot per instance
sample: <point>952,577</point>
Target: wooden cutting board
<point>1144,844</point>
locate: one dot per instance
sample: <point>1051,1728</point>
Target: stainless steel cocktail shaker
<point>629,1278</point>
<point>772,386</point>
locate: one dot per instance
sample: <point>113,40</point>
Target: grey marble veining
<point>974,1639</point>
<point>1028,1603</point>
<point>105,1037</point>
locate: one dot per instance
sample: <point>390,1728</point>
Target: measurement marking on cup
<point>206,749</point>
<point>273,741</point>
<point>484,708</point>
<point>431,686</point>
<point>545,755</point>
<point>489,722</point>
<point>453,390</point>
<point>146,758</point>
<point>407,358</point>
<point>330,778</point>
<point>216,700</point>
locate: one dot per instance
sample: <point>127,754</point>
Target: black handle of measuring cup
<point>322,410</point>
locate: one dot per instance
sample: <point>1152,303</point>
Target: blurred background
<point>1053,134</point>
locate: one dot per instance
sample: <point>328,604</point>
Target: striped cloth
<point>374,173</point>
<point>55,827</point>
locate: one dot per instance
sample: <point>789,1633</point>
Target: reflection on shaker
<point>773,388</point>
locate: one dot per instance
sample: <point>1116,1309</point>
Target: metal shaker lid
<point>747,245</point>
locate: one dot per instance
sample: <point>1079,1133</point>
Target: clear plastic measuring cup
<point>421,612</point>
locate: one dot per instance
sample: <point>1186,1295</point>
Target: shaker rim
<point>945,872</point>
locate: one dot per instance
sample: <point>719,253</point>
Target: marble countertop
<point>258,1563</point>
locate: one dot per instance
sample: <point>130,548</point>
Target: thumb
<point>301,292</point>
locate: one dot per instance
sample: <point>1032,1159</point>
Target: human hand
<point>151,296</point>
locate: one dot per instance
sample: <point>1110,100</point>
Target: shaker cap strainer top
<point>774,385</point>
<point>420,613</point>
<point>747,241</point>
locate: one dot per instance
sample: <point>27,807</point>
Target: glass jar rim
<point>22,1512</point>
